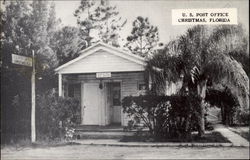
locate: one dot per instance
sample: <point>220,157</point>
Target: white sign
<point>22,60</point>
<point>103,75</point>
<point>204,16</point>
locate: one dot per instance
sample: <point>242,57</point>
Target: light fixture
<point>100,84</point>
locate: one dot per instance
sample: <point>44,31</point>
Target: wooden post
<point>60,84</point>
<point>33,101</point>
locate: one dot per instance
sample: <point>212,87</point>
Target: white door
<point>91,104</point>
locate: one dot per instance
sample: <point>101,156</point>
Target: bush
<point>165,116</point>
<point>56,115</point>
<point>243,117</point>
<point>228,104</point>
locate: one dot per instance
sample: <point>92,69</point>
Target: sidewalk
<point>116,142</point>
<point>236,139</point>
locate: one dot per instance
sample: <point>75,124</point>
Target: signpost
<point>29,62</point>
<point>22,60</point>
<point>33,101</point>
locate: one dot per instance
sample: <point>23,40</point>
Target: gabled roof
<point>110,49</point>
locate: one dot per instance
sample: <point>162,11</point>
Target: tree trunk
<point>201,91</point>
<point>201,120</point>
<point>222,114</point>
<point>227,115</point>
<point>187,126</point>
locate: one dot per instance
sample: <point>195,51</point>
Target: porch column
<point>60,84</point>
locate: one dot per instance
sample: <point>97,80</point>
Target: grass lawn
<point>242,131</point>
<point>210,137</point>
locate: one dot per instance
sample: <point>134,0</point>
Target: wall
<point>129,83</point>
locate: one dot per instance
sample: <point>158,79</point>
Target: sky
<point>158,12</point>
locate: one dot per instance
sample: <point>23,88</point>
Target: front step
<point>103,132</point>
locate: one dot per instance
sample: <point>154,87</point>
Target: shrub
<point>243,117</point>
<point>165,116</point>
<point>228,104</point>
<point>56,115</point>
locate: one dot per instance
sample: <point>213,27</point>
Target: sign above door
<point>103,75</point>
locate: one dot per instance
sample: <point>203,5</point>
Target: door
<point>91,104</point>
<point>114,102</point>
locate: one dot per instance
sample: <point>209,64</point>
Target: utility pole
<point>33,100</point>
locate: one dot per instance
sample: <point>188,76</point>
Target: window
<point>74,90</point>
<point>70,90</point>
<point>141,86</point>
<point>116,89</point>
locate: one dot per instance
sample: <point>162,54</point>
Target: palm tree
<point>205,54</point>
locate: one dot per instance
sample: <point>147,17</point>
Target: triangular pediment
<point>103,58</point>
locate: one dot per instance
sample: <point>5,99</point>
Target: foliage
<point>29,26</point>
<point>214,56</point>
<point>205,56</point>
<point>99,18</point>
<point>165,116</point>
<point>243,117</point>
<point>57,115</point>
<point>24,26</point>
<point>66,43</point>
<point>227,102</point>
<point>171,64</point>
<point>144,37</point>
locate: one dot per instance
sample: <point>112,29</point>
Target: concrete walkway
<point>236,139</point>
<point>116,142</point>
